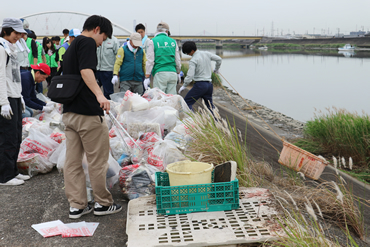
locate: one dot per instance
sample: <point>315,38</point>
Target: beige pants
<point>166,81</point>
<point>86,134</point>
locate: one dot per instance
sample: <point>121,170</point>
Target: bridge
<point>245,40</point>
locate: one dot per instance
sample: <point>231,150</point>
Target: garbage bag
<point>118,148</point>
<point>34,153</point>
<point>137,181</point>
<point>133,102</point>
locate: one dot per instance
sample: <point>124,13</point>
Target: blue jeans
<point>201,89</point>
<point>27,113</point>
<point>105,80</point>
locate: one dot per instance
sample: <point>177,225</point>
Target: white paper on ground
<point>49,229</point>
<point>79,229</point>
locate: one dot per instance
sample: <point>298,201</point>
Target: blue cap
<point>74,32</point>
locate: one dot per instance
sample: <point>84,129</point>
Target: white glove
<point>6,111</point>
<point>146,83</point>
<point>114,79</point>
<point>23,105</point>
<point>52,104</point>
<point>47,109</point>
<point>178,78</point>
<point>181,89</point>
<point>216,71</point>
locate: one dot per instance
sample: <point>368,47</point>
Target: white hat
<point>136,39</point>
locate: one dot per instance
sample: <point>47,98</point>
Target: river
<point>298,85</point>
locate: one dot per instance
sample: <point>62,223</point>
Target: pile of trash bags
<point>146,134</point>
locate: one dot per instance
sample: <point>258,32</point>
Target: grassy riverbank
<point>339,133</point>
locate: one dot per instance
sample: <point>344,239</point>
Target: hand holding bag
<point>64,89</point>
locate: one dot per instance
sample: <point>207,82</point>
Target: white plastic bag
<point>34,153</point>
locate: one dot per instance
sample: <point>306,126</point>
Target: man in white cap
<point>164,61</point>
<point>130,65</point>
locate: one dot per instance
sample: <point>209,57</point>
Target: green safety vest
<point>50,60</point>
<point>30,56</point>
<point>165,51</point>
<point>39,52</point>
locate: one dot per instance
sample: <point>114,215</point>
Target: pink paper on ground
<point>80,229</point>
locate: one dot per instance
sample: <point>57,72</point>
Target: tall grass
<point>339,132</point>
<point>214,140</point>
<point>216,79</point>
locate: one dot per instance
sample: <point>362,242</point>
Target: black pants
<point>10,141</point>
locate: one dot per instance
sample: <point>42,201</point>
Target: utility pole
<point>272,29</point>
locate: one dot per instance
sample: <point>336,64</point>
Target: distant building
<point>358,33</point>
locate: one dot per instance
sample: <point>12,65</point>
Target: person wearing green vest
<point>65,34</point>
<point>31,44</point>
<point>163,61</point>
<point>51,56</point>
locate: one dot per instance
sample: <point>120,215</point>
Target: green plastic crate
<point>194,198</point>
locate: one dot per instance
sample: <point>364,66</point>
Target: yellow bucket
<point>187,173</point>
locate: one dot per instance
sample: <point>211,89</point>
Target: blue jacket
<point>132,65</point>
<point>28,92</point>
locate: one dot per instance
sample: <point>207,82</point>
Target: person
<point>40,58</point>
<point>130,66</point>
<point>40,53</point>
<point>200,70</point>
<point>56,42</point>
<point>38,74</point>
<point>11,103</point>
<point>32,46</point>
<point>127,40</point>
<point>140,28</point>
<point>163,61</point>
<point>65,35</point>
<point>51,56</point>
<point>22,49</point>
<point>73,33</point>
<point>85,127</point>
<point>106,57</point>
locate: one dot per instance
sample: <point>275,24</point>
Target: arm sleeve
<point>149,58</point>
<point>86,55</point>
<point>56,56</point>
<point>61,52</point>
<point>28,93</point>
<point>178,60</point>
<point>3,90</point>
<point>217,59</point>
<point>115,46</point>
<point>34,49</point>
<point>144,61</point>
<point>119,61</point>
<point>190,75</point>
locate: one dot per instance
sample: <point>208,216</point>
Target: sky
<point>197,17</point>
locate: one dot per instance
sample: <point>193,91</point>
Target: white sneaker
<point>22,177</point>
<point>13,181</point>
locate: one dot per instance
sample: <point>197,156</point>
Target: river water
<point>297,84</point>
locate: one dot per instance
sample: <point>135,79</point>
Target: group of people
<point>96,56</point>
